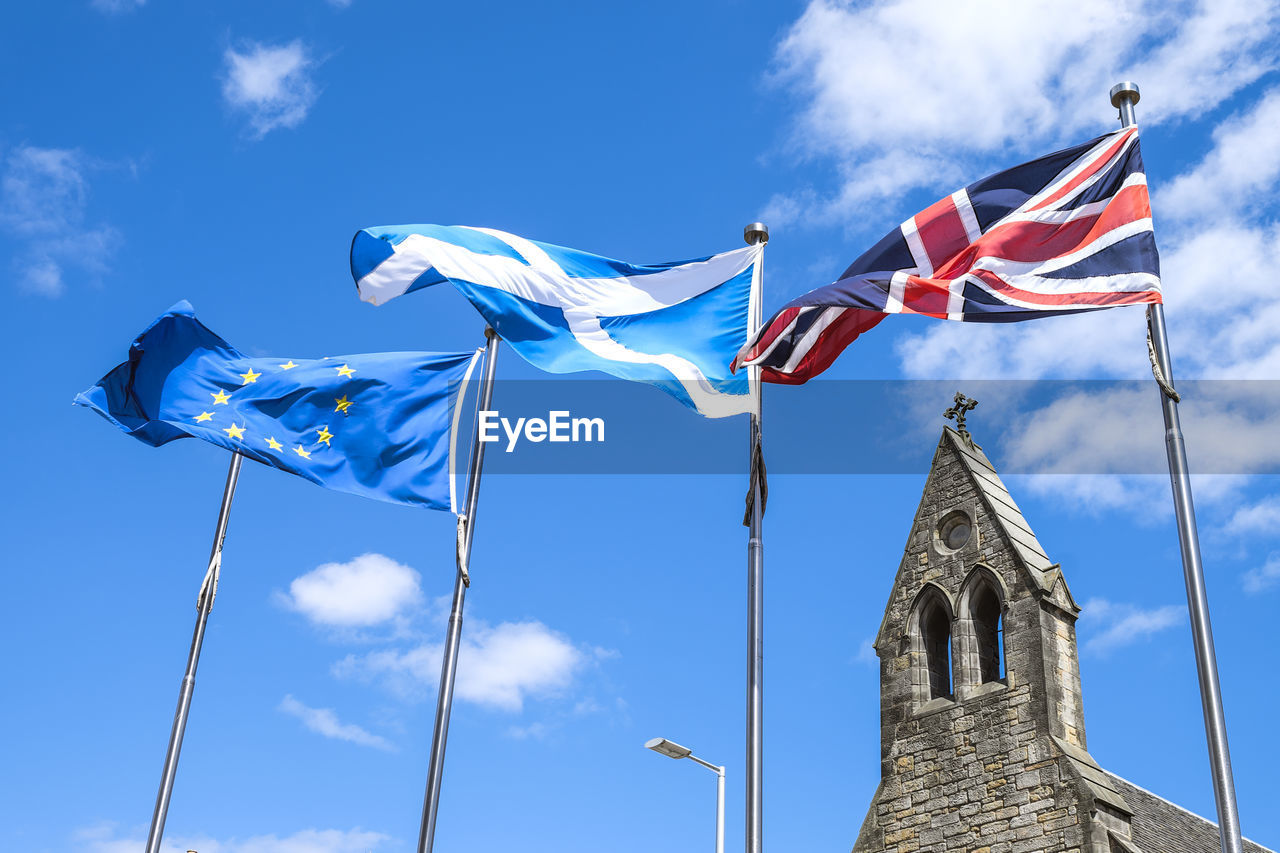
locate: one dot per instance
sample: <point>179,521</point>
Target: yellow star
<point>249,377</point>
<point>221,397</point>
<point>235,432</point>
<point>343,404</point>
<point>304,454</point>
<point>203,416</point>
<point>273,444</point>
<point>325,435</point>
<point>289,366</point>
<point>344,370</point>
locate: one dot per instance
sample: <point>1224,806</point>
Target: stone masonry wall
<point>1062,665</point>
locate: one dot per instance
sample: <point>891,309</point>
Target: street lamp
<point>674,750</point>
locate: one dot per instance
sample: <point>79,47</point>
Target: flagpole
<point>462,580</point>
<point>755,233</point>
<point>204,604</point>
<point>1124,96</point>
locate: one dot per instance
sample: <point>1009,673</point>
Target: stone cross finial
<point>963,405</point>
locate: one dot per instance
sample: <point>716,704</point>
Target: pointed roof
<point>1044,573</point>
<point>1045,576</point>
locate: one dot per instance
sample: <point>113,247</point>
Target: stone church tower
<point>982,733</point>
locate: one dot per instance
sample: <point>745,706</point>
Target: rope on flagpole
<point>461,557</point>
<point>211,578</point>
<point>1165,385</point>
<point>461,553</point>
<point>758,477</point>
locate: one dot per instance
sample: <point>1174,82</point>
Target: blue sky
<point>226,153</point>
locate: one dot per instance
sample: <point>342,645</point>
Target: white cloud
<point>1261,517</point>
<point>106,838</point>
<point>323,721</point>
<point>369,590</point>
<point>1108,343</point>
<point>1100,447</point>
<point>44,190</point>
<point>1118,428</point>
<point>897,108</point>
<point>1208,50</point>
<point>270,84</point>
<point>1146,496</point>
<point>498,666</point>
<point>533,731</point>
<point>115,7</point>
<point>1122,624</point>
<point>1240,169</point>
<point>1264,577</point>
<point>43,199</point>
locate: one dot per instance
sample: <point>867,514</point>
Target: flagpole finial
<point>1126,91</point>
<point>756,232</point>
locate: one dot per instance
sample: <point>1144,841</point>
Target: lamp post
<point>674,750</point>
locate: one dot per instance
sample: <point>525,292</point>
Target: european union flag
<point>380,425</point>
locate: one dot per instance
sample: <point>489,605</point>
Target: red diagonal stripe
<point>1037,242</point>
<point>1098,163</point>
<point>1108,297</point>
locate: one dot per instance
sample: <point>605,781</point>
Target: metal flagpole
<point>756,232</point>
<point>449,668</point>
<point>204,604</point>
<point>1123,97</point>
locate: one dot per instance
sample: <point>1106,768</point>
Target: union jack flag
<point>1066,233</point>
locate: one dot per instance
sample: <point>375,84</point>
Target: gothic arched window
<point>984,611</point>
<point>930,629</point>
<point>980,631</point>
<point>935,631</point>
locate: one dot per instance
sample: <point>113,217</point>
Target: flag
<point>673,325</point>
<point>1069,232</point>
<point>380,425</point>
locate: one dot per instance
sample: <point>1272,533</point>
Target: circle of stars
<point>236,432</point>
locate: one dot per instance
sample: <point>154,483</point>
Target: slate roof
<point>1161,827</point>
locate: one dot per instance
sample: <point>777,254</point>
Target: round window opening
<point>954,531</point>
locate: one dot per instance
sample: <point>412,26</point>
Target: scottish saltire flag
<point>673,325</point>
<point>380,425</point>
<point>1069,232</point>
